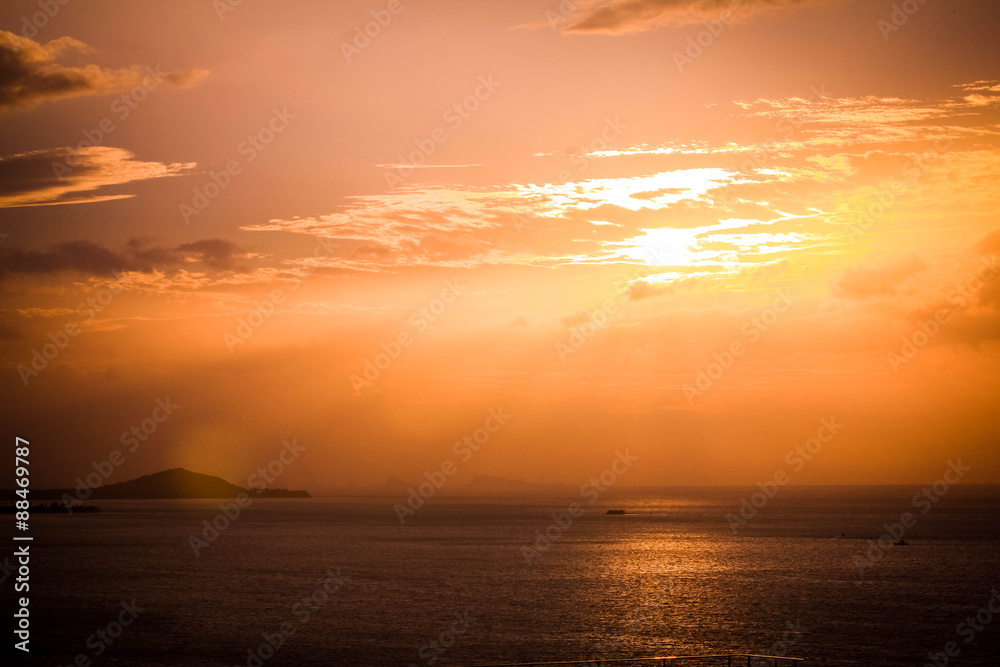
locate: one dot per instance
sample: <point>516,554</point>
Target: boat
<point>615,512</point>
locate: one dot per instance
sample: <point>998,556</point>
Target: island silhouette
<point>173,484</point>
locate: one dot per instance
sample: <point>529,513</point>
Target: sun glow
<point>655,192</point>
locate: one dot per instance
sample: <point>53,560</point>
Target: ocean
<point>342,582</point>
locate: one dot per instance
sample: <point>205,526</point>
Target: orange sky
<point>693,228</point>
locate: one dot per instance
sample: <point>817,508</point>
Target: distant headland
<point>173,484</point>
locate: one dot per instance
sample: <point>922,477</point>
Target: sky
<point>714,234</point>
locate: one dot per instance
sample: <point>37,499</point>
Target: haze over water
<point>669,577</point>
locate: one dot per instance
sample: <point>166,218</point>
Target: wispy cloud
<point>616,17</point>
<point>430,226</point>
<point>28,179</point>
<point>30,74</point>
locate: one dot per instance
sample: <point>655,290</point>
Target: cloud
<point>461,227</point>
<point>653,191</point>
<point>868,281</point>
<point>214,253</point>
<point>81,256</point>
<point>821,123</point>
<point>432,226</point>
<point>94,260</point>
<point>872,119</point>
<point>848,109</point>
<point>617,17</point>
<point>45,312</point>
<point>700,210</point>
<point>30,75</point>
<point>992,86</point>
<point>982,100</point>
<point>59,175</point>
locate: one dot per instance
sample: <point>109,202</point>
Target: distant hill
<point>478,486</point>
<point>499,486</point>
<point>176,483</point>
<point>393,485</point>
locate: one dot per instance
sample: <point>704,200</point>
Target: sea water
<point>341,581</point>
